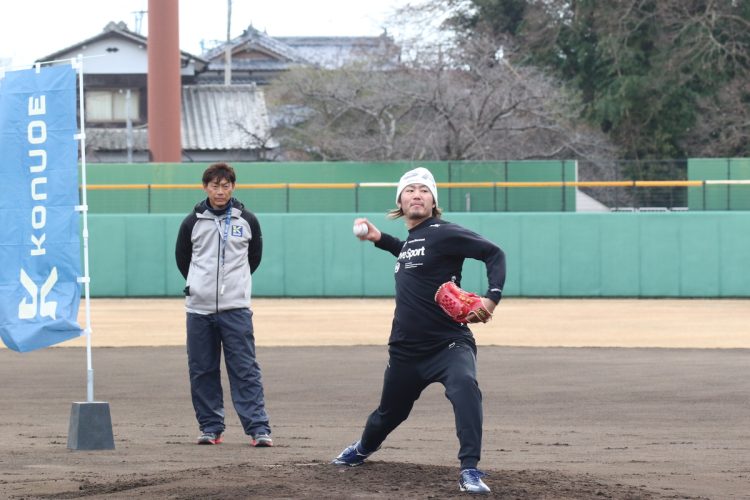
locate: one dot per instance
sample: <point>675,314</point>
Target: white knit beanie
<point>419,175</point>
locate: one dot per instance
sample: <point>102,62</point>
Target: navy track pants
<point>207,334</point>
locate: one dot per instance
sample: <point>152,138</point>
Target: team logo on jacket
<point>236,231</point>
<point>398,266</point>
<point>412,252</point>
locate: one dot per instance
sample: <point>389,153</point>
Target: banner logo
<point>36,135</point>
<point>46,309</point>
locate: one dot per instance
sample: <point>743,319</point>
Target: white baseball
<point>360,229</point>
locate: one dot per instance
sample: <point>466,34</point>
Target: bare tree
<point>472,105</point>
<point>710,43</point>
<point>347,113</point>
<point>724,127</point>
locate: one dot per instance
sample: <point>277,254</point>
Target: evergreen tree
<point>647,70</point>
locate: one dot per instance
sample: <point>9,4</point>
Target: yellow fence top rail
<point>506,184</point>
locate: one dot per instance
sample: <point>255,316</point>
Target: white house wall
<point>101,59</point>
<point>129,58</point>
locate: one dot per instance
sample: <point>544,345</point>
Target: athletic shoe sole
<point>466,490</point>
<point>346,464</point>
<point>218,440</point>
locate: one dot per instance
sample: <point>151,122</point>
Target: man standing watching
<point>219,246</point>
<point>426,345</point>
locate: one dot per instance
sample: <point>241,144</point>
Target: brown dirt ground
<point>583,399</point>
<point>519,322</point>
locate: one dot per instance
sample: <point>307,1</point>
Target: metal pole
<point>84,210</point>
<point>450,192</point>
<point>228,48</point>
<point>562,175</point>
<point>729,187</point>
<point>505,189</point>
<point>128,126</point>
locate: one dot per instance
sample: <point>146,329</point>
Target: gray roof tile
<point>214,117</point>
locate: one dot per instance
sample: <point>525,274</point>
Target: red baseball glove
<point>460,305</point>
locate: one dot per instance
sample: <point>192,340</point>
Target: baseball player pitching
<point>430,339</point>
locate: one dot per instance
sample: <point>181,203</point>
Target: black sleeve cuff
<point>494,295</point>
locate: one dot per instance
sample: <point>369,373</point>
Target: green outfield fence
<point>366,196</point>
<point>677,254</point>
<point>699,248</point>
<point>315,187</point>
<point>726,184</point>
<point>341,187</point>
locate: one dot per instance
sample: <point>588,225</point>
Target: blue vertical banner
<point>40,253</point>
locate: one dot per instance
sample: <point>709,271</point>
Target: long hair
<point>395,213</point>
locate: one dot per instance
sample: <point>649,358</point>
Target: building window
<point>112,106</point>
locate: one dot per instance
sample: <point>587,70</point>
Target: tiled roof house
<point>219,122</point>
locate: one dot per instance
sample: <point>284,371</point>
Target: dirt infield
<point>519,322</point>
<point>661,419</point>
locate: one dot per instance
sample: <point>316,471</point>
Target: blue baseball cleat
<point>470,481</point>
<point>352,456</point>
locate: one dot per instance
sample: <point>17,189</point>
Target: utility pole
<point>228,48</point>
<point>139,20</point>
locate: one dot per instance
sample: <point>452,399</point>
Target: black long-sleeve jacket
<point>433,254</point>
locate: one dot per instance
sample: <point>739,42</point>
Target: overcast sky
<point>32,29</point>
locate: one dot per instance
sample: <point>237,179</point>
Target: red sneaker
<point>262,440</point>
<point>210,438</point>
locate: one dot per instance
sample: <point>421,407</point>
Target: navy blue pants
<point>403,383</point>
<point>207,334</point>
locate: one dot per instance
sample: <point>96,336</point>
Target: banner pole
<point>78,64</point>
<point>90,422</point>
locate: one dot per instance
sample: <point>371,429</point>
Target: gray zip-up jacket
<point>218,275</point>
